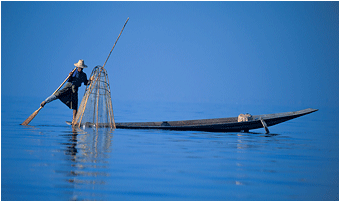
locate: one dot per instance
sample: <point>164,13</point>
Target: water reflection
<point>251,140</point>
<point>71,145</point>
<point>87,151</point>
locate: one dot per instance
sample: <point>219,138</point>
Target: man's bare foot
<point>43,104</point>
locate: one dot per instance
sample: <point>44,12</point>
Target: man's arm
<point>88,82</point>
<point>70,79</point>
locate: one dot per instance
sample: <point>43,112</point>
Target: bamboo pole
<point>112,119</point>
<point>115,42</point>
<point>97,94</point>
<point>86,99</point>
<point>264,124</point>
<point>109,103</point>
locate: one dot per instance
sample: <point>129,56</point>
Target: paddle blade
<point>30,118</point>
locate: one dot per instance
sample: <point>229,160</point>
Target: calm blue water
<point>49,160</point>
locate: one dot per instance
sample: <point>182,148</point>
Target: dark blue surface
<point>49,161</point>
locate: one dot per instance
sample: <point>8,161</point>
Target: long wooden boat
<point>219,124</point>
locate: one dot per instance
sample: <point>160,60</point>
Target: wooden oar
<point>30,118</point>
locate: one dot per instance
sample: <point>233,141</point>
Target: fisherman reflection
<point>71,148</point>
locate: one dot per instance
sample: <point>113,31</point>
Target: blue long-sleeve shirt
<point>77,78</point>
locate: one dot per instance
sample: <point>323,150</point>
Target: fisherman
<point>69,94</point>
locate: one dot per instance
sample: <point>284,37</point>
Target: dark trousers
<point>68,95</point>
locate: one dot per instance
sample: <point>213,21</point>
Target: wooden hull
<point>219,124</point>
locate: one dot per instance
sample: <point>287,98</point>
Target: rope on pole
<point>115,42</point>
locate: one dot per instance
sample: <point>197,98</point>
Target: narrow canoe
<point>219,124</point>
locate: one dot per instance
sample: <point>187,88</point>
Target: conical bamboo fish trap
<point>96,106</point>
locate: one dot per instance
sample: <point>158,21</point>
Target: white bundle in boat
<point>96,106</point>
<point>244,117</point>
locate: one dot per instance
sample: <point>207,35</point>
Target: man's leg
<point>74,102</point>
<point>74,116</point>
<point>49,99</point>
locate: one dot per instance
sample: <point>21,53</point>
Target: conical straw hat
<point>80,64</point>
